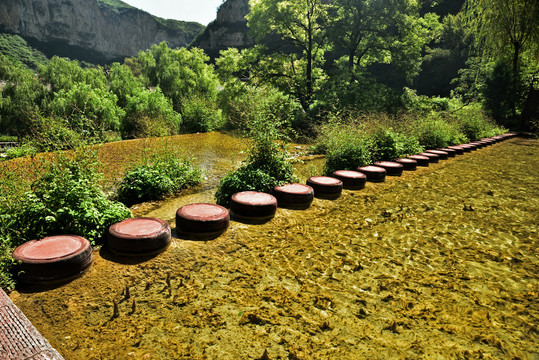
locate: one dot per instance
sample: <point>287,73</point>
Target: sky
<point>201,11</point>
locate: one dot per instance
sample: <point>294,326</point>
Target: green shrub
<point>344,143</point>
<point>347,156</point>
<point>67,199</point>
<point>25,149</point>
<point>7,263</point>
<point>201,115</point>
<point>475,124</point>
<point>244,179</point>
<point>435,133</point>
<point>266,166</point>
<point>387,145</point>
<point>155,177</point>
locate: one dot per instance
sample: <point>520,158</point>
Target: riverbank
<point>438,263</point>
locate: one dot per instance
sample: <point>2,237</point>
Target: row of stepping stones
<point>66,256</point>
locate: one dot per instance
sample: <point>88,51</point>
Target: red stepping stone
<point>409,164</point>
<point>459,149</point>
<point>253,205</point>
<point>450,152</point>
<point>325,187</point>
<point>469,146</point>
<point>420,159</point>
<point>442,154</point>
<point>353,180</point>
<point>433,158</point>
<point>294,195</point>
<point>139,236</point>
<point>392,168</point>
<point>478,144</point>
<point>373,173</point>
<point>53,258</point>
<point>202,220</point>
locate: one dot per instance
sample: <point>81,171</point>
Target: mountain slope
<point>98,31</point>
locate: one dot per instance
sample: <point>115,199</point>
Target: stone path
<point>19,339</point>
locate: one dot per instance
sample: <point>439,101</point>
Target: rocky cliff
<point>229,29</point>
<point>98,31</point>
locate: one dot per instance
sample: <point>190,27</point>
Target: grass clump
<point>388,145</point>
<point>156,176</point>
<point>344,143</point>
<point>266,166</point>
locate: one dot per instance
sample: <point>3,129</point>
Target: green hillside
<point>18,50</point>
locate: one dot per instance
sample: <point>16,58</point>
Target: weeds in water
<point>155,176</point>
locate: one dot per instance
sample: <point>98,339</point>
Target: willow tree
<point>505,27</point>
<point>294,64</point>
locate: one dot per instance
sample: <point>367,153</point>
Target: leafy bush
<point>25,149</point>
<point>200,115</point>
<point>245,178</point>
<point>344,143</point>
<point>68,200</point>
<point>155,177</point>
<point>7,263</point>
<point>387,145</point>
<point>347,156</point>
<point>266,166</point>
<point>475,125</point>
<point>435,133</point>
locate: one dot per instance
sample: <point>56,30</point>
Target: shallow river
<point>441,263</point>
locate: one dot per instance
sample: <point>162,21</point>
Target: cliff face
<point>229,29</point>
<point>91,30</point>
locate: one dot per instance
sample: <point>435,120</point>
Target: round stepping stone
<point>373,173</point>
<point>392,168</point>
<point>442,154</point>
<point>296,196</point>
<point>450,152</point>
<point>352,180</point>
<point>139,236</point>
<point>420,159</point>
<point>409,164</point>
<point>325,187</point>
<point>459,150</point>
<point>477,144</point>
<point>470,146</point>
<point>53,258</point>
<point>253,205</point>
<point>433,158</point>
<point>202,220</point>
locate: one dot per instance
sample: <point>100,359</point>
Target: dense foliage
<point>156,176</point>
<point>65,199</point>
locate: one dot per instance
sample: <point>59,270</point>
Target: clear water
<point>440,263</point>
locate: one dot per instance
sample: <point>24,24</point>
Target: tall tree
<point>295,63</point>
<point>382,31</point>
<point>503,27</point>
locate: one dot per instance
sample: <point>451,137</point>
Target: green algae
<point>439,263</point>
